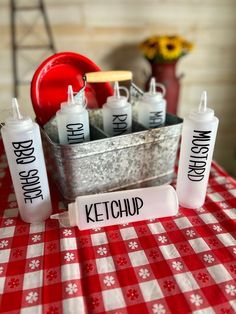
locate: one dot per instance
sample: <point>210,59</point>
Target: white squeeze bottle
<point>152,106</point>
<point>117,113</point>
<point>120,207</point>
<point>198,140</point>
<point>23,146</point>
<point>72,121</point>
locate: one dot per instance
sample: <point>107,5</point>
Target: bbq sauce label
<point>24,152</point>
<point>29,178</point>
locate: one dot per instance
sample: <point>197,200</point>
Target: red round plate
<point>51,79</point>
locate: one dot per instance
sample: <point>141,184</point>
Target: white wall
<point>108,33</point>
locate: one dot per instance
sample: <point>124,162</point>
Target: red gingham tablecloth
<point>183,264</point>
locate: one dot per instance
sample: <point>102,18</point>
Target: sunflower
<point>170,48</point>
<point>165,48</point>
<point>187,46</point>
<point>153,40</point>
<point>150,48</point>
<point>150,53</point>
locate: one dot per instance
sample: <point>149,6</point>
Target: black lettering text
<point>30,184</point>
<point>24,152</point>
<point>155,119</point>
<point>75,133</point>
<point>88,212</point>
<point>198,159</point>
<point>119,124</point>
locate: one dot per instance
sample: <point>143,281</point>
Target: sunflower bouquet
<point>165,48</point>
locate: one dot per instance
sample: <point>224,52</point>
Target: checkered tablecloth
<point>183,264</point>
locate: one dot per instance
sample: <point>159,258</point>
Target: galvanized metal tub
<point>142,158</point>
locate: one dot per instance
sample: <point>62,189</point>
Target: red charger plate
<point>51,79</point>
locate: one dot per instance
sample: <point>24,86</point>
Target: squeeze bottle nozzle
<point>70,96</point>
<point>203,103</point>
<point>117,97</point>
<point>116,90</point>
<point>153,93</point>
<point>202,112</point>
<point>15,109</point>
<point>152,87</point>
<point>72,102</point>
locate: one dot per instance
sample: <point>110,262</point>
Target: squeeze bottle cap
<point>117,99</point>
<point>152,94</point>
<point>72,103</point>
<point>203,113</point>
<point>17,118</point>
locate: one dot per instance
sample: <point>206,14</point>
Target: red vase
<point>165,73</point>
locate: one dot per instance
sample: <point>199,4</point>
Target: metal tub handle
<point>108,76</point>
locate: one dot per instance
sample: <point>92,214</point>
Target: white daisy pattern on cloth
<point>230,289</point>
<point>133,245</point>
<point>177,265</point>
<point>196,299</point>
<point>71,288</point>
<point>144,273</point>
<point>67,232</point>
<point>190,233</point>
<point>69,256</point>
<point>34,264</point>
<point>229,186</point>
<point>109,281</point>
<point>223,205</point>
<point>158,309</point>
<point>9,222</point>
<point>217,228</point>
<point>32,297</point>
<point>102,250</point>
<point>1,269</point>
<point>162,239</point>
<point>208,258</point>
<point>234,250</point>
<point>36,238</point>
<point>3,243</point>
